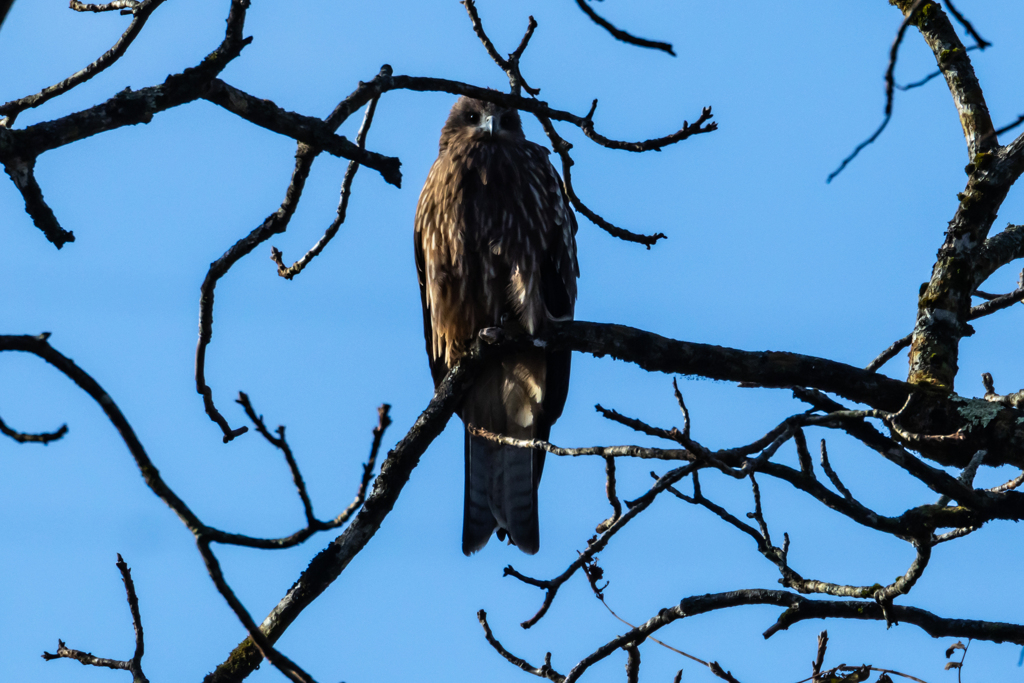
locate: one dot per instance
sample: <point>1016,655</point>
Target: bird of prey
<point>496,248</point>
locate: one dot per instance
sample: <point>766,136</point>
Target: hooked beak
<point>487,124</point>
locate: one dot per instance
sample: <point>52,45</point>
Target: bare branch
<point>129,5</point>
<point>562,148</point>
<point>595,545</point>
<point>1014,400</point>
<point>635,424</point>
<point>1010,126</point>
<point>994,303</point>
<point>280,443</point>
<point>141,11</point>
<point>911,14</point>
<point>314,132</point>
<point>328,565</point>
<point>134,665</point>
<point>632,663</point>
<point>544,671</point>
<point>511,65</point>
<point>290,669</point>
<point>43,438</point>
<point>800,609</point>
<point>819,658</point>
<point>981,42</point>
<point>619,34</point>
<point>603,451</point>
<point>609,464</point>
<point>288,272</point>
<point>22,172</point>
<point>832,476</point>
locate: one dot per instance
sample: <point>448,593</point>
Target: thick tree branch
<point>799,608</point>
<point>307,129</point>
<point>765,368</point>
<point>19,148</point>
<point>22,172</point>
<point>951,57</point>
<point>997,251</point>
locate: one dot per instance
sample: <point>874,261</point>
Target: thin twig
<point>622,35</point>
<point>134,665</point>
<point>562,148</point>
<point>889,87</point>
<point>288,272</point>
<point>981,42</point>
<point>141,12</point>
<point>544,671</point>
<point>609,468</point>
<point>43,438</point>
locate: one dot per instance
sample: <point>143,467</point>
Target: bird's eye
<point>473,117</point>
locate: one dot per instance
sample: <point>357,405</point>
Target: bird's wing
<point>427,237</point>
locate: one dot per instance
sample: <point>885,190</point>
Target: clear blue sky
<point>761,254</point>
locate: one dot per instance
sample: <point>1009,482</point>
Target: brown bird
<point>496,248</point>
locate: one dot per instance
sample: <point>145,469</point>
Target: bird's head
<point>478,121</point>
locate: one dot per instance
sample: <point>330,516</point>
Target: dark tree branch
<point>994,303</point>
<point>544,671</point>
<point>1010,126</point>
<point>288,272</point>
<point>133,665</point>
<point>997,251</point>
<point>619,34</point>
<point>538,107</point>
<point>275,223</point>
<point>19,148</point>
<point>308,129</point>
<point>609,465</point>
<point>511,65</point>
<point>290,669</point>
<point>22,437</point>
<point>595,545</point>
<point>889,86</point>
<point>22,172</point>
<point>1014,400</point>
<point>981,42</point>
<point>328,565</point>
<point>126,6</point>
<point>562,148</point>
<point>133,606</point>
<point>799,608</point>
<point>637,425</point>
<point>140,11</point>
<point>926,79</point>
<point>5,7</point>
<point>281,444</point>
<point>632,663</point>
<point>779,369</point>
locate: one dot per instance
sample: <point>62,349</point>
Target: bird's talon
<point>492,335</point>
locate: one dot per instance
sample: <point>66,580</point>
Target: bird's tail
<point>501,493</point>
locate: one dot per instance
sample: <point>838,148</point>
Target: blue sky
<point>761,254</point>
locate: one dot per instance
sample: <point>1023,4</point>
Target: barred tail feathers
<point>501,494</point>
